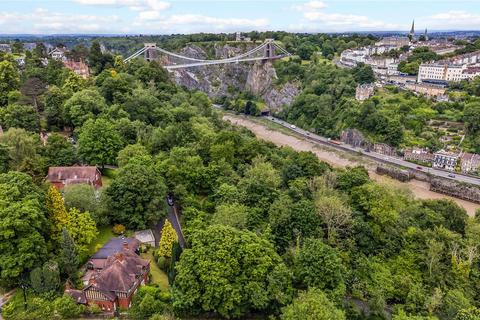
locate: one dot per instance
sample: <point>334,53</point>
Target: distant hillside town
<point>58,52</point>
<point>440,61</point>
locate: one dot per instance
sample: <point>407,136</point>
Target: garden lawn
<point>104,234</point>
<point>158,276</point>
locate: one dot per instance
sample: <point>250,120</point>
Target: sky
<point>192,16</point>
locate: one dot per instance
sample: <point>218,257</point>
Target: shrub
<point>163,263</point>
<point>118,229</point>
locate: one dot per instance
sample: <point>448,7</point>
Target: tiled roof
<point>77,295</point>
<point>121,271</point>
<point>115,245</point>
<point>72,173</point>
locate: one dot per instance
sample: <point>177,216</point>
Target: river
<point>341,159</point>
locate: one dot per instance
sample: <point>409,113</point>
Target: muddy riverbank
<point>341,159</point>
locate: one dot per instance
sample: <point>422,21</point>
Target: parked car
<point>170,200</point>
<point>451,175</point>
<point>293,126</point>
<point>419,168</point>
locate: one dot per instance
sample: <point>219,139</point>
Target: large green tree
<point>23,225</point>
<point>99,142</point>
<point>9,79</point>
<point>231,273</point>
<point>84,105</point>
<point>19,116</point>
<point>312,305</point>
<point>318,265</point>
<point>59,151</point>
<point>137,195</point>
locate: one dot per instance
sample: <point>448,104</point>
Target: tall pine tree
<point>68,257</point>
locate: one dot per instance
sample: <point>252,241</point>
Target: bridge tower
<point>150,54</point>
<point>269,51</point>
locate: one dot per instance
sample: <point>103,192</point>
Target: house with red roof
<point>62,176</point>
<point>111,282</point>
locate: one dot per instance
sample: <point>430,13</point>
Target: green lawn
<point>107,176</point>
<point>104,234</point>
<point>158,276</point>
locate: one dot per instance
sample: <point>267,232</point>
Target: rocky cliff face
<point>229,79</point>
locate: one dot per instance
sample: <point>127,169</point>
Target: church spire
<point>411,35</point>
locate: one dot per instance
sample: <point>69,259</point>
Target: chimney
<point>125,244</point>
<point>119,256</point>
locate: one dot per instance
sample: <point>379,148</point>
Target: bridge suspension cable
<point>267,48</point>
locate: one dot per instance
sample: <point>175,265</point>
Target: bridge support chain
<point>150,53</point>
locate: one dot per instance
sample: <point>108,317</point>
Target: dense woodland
<point>271,233</point>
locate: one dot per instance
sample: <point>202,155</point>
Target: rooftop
<point>115,245</point>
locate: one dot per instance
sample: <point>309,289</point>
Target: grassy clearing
<point>108,175</point>
<point>104,234</point>
<point>158,276</point>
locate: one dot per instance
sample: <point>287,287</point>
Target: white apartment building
<point>447,72</point>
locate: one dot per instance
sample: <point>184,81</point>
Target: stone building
<point>469,162</point>
<point>364,91</point>
<point>5,47</point>
<point>418,155</point>
<point>430,90</point>
<point>385,149</point>
<point>79,67</point>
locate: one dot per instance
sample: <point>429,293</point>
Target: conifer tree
<point>68,258</point>
<point>36,280</point>
<point>169,236</point>
<point>56,213</point>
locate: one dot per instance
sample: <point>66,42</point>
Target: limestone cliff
<point>228,79</point>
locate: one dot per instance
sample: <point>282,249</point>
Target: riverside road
<point>372,155</point>
<point>376,156</point>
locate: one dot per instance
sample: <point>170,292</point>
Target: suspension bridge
<point>268,50</point>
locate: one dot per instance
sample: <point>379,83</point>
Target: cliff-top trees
<point>230,272</point>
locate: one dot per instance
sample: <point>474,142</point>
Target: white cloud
<point>318,19</point>
<point>116,3</point>
<point>188,23</point>
<point>45,21</point>
<point>148,15</point>
<point>148,9</point>
<point>347,20</point>
<point>454,19</point>
<point>312,5</point>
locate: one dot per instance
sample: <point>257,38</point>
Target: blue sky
<point>190,16</point>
